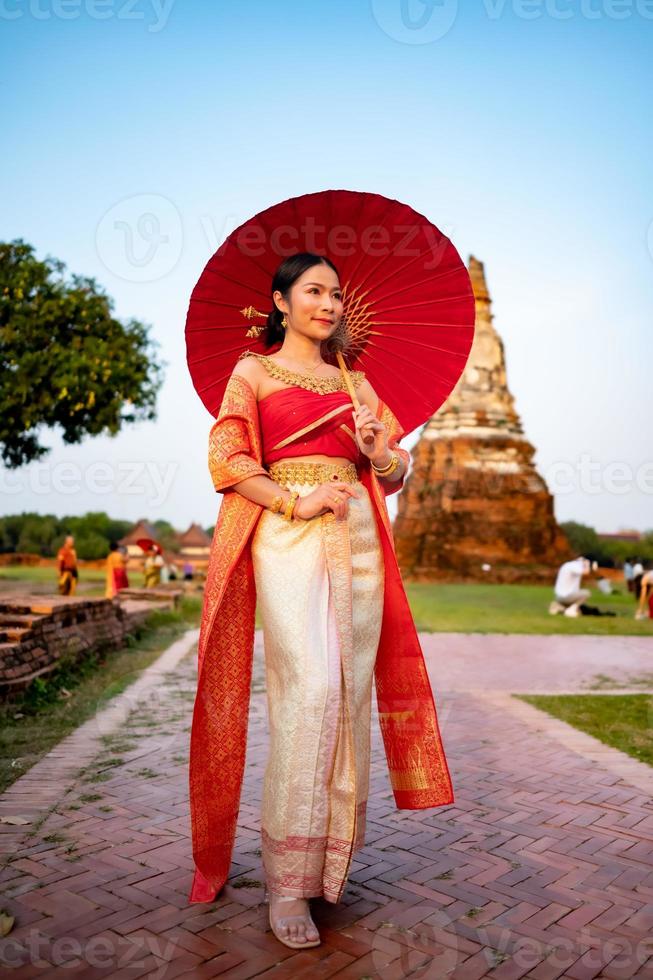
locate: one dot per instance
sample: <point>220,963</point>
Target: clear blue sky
<point>523,130</point>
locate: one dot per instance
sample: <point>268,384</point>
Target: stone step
<point>16,634</point>
<point>8,619</point>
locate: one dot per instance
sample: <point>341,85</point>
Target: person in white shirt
<point>568,594</point>
<point>645,589</point>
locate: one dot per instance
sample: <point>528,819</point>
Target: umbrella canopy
<point>148,543</point>
<point>409,311</point>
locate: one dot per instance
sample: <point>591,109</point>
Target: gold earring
<point>284,323</point>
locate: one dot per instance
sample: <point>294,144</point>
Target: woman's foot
<point>291,922</point>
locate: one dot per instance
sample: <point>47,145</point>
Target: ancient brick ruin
<point>473,496</point>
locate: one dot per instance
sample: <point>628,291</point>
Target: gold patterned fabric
<point>312,471</point>
<point>321,385</point>
<point>319,585</point>
<point>415,755</point>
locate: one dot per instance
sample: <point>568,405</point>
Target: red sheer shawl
<point>415,756</point>
<point>298,422</point>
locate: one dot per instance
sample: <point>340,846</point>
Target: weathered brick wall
<point>37,631</point>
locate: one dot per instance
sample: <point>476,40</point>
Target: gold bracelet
<point>290,506</point>
<point>392,468</point>
<point>277,504</point>
<point>389,468</point>
<point>380,469</point>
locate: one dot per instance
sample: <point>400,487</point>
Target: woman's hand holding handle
<point>327,496</point>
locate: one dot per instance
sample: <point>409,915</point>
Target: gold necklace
<point>310,370</point>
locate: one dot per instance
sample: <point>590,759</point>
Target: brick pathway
<point>543,868</point>
<point>531,664</point>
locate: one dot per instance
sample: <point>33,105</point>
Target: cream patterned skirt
<point>319,585</point>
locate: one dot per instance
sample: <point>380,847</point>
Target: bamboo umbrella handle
<point>369,438</point>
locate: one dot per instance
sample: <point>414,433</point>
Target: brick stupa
<point>473,496</point>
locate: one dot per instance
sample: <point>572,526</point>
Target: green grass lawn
<point>486,608</point>
<point>438,607</point>
<point>624,721</point>
<point>57,703</point>
<point>16,577</point>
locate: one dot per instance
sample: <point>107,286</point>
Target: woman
<point>152,568</point>
<point>116,570</point>
<point>304,529</point>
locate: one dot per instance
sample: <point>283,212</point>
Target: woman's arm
<point>367,396</point>
<point>262,490</point>
<point>230,453</point>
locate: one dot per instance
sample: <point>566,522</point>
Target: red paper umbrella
<point>408,318</point>
<point>148,543</point>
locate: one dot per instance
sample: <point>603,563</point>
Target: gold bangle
<point>277,504</point>
<point>389,468</point>
<point>290,506</point>
<point>396,466</point>
<point>387,465</point>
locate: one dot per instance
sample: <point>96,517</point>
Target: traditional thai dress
<point>116,578</point>
<point>335,616</point>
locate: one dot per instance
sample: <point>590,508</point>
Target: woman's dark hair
<point>113,546</point>
<point>288,272</point>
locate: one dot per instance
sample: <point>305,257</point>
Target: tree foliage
<point>607,551</point>
<point>65,361</point>
<point>43,534</point>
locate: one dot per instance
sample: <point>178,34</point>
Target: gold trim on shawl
<point>348,431</point>
<point>312,425</point>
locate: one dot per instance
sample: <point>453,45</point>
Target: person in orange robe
<point>67,566</point>
<point>415,755</point>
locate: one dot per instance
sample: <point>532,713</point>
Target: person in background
<point>116,570</point>
<point>638,572</point>
<point>67,566</point>
<point>568,594</point>
<point>645,596</point>
<point>188,571</point>
<point>628,573</point>
<point>152,567</point>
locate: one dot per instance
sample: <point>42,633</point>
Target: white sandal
<point>284,920</point>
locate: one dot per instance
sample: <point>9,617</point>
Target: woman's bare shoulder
<point>249,368</point>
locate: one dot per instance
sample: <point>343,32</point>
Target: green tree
<point>582,538</point>
<point>166,535</point>
<point>65,361</point>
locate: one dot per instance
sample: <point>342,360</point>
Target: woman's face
<point>315,302</point>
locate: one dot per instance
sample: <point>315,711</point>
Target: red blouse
<point>298,422</point>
